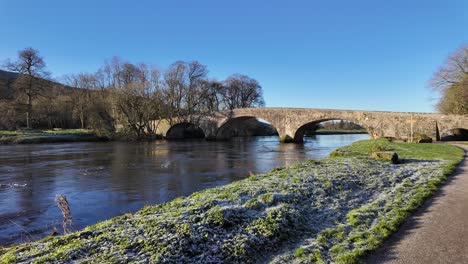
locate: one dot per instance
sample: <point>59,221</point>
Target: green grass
<point>8,258</point>
<point>46,136</point>
<point>369,237</point>
<point>46,132</point>
<point>365,148</point>
<point>9,133</point>
<point>68,132</point>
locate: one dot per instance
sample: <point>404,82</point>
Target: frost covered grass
<point>333,210</point>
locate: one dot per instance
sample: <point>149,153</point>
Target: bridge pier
<point>287,139</point>
<point>285,129</point>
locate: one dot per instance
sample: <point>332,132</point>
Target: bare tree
<point>454,99</point>
<point>451,80</point>
<point>84,84</point>
<point>195,88</point>
<point>187,90</point>
<point>241,91</point>
<point>453,71</point>
<point>138,99</point>
<point>121,94</point>
<point>212,96</point>
<point>174,89</point>
<point>30,83</point>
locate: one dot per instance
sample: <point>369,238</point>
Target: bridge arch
<point>455,134</point>
<point>185,130</point>
<point>301,130</point>
<point>245,126</point>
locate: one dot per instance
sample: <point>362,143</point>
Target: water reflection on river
<point>102,180</point>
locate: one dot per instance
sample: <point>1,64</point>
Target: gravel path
<point>438,232</point>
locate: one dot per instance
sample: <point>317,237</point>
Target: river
<point>102,180</point>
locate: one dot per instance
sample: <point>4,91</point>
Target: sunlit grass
<point>68,132</point>
<point>364,148</point>
<point>46,132</point>
<point>46,136</point>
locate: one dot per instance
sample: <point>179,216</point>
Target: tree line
<point>120,95</point>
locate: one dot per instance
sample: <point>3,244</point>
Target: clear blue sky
<point>371,55</point>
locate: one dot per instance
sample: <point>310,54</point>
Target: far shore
<point>337,132</point>
<point>49,136</point>
<point>86,135</point>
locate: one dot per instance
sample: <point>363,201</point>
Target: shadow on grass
<point>407,161</point>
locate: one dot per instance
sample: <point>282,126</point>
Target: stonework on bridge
<point>292,123</point>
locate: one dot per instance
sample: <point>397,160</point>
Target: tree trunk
<point>82,120</point>
<point>28,112</point>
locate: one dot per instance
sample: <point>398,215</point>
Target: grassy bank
<point>47,136</point>
<point>333,210</point>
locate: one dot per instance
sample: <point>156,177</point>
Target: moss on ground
<point>333,210</point>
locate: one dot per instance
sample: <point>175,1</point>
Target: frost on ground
<point>333,210</point>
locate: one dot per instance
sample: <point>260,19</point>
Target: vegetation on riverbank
<point>47,136</point>
<point>335,127</point>
<point>332,210</point>
<point>120,96</point>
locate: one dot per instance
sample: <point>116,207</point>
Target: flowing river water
<point>102,180</point>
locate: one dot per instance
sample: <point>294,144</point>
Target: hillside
<point>7,79</point>
<point>6,84</point>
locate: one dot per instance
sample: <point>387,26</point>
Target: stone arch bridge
<point>292,123</point>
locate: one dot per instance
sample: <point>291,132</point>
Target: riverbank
<point>48,136</point>
<point>335,209</point>
<point>86,135</point>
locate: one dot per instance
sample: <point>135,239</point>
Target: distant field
<point>46,136</point>
<point>46,132</point>
<point>329,131</point>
